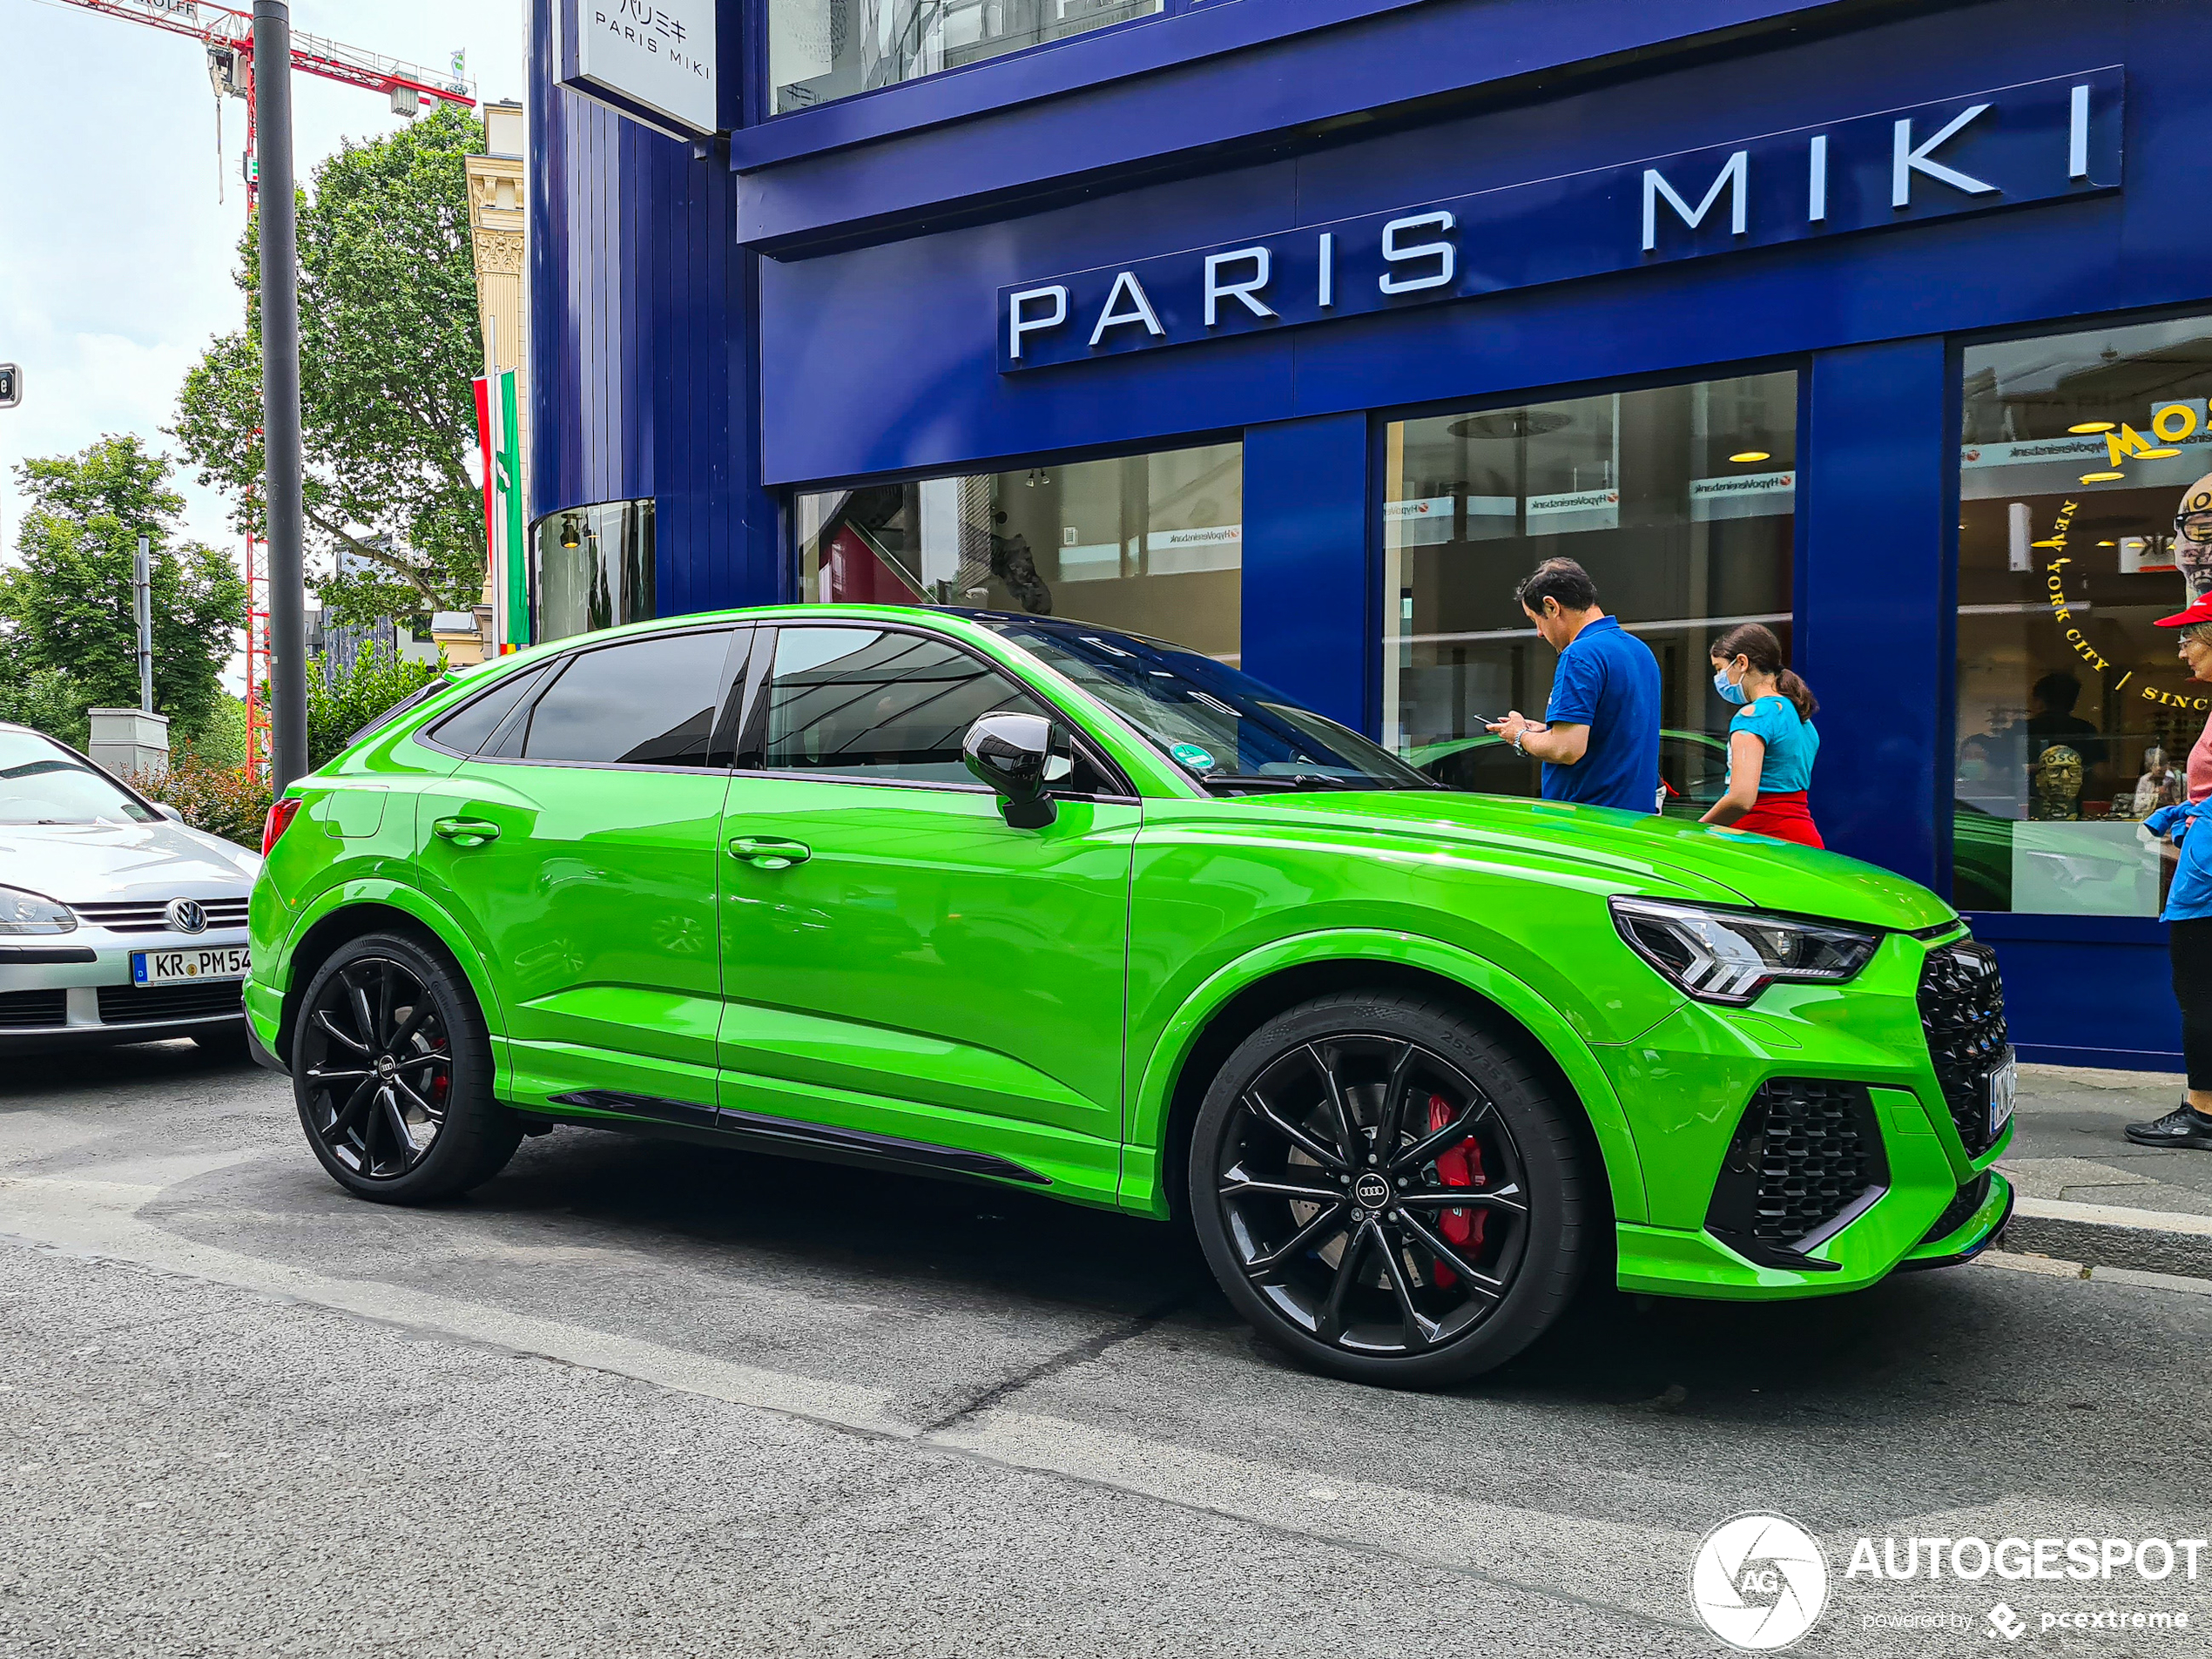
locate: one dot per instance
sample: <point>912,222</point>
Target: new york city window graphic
<point>2007,146</point>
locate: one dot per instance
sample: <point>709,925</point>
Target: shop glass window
<point>591,567</point>
<point>820,49</point>
<point>2080,457</point>
<point>1679,501</point>
<point>1149,544</point>
<point>648,703</point>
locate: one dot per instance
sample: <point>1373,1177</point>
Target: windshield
<point>1228,731</point>
<point>42,783</point>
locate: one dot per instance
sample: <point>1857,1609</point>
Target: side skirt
<point>721,1126</point>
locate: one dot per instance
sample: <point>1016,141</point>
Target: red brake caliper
<point>1460,1167</point>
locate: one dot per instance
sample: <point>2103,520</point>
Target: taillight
<point>282,813</point>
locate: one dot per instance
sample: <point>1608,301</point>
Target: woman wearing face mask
<point>2188,912</point>
<point>1771,741</point>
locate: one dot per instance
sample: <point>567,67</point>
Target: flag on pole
<point>502,477</point>
<point>516,589</point>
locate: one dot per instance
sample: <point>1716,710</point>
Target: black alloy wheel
<point>1386,1192</point>
<point>391,1070</point>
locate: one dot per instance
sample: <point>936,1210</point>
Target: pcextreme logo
<point>1758,1581</point>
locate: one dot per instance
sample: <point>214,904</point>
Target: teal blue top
<point>1791,743</point>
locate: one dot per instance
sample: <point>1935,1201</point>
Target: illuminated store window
<point>820,49</point>
<point>2082,521</point>
<point>1153,545</point>
<point>592,566</point>
<point>1678,501</point>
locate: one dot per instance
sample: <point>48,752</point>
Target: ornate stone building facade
<point>496,217</point>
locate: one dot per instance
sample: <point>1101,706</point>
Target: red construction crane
<point>228,37</point>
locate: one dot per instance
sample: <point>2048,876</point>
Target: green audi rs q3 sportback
<point>1021,901</point>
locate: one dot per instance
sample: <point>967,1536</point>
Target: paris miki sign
<point>2007,146</point>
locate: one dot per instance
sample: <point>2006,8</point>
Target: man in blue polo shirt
<point>1600,741</point>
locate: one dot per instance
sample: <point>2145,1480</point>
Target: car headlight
<point>1730,956</point>
<point>32,912</point>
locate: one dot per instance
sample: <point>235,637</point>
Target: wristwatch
<point>1519,733</point>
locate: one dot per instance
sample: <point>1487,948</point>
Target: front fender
<point>1144,1159</point>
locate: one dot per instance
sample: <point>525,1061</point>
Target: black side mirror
<point>1013,753</point>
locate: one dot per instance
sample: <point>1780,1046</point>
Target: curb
<point>2157,1241</point>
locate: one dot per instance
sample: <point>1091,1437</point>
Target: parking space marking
<point>96,1218</point>
<point>1529,1549</point>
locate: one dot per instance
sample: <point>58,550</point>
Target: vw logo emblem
<point>187,916</point>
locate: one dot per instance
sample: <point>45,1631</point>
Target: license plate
<point>173,966</point>
<point>2002,1082</point>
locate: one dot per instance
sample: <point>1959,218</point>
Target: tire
<point>392,1073</point>
<point>1438,1292</point>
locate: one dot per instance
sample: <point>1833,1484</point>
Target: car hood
<point>87,863</point>
<point>1639,850</point>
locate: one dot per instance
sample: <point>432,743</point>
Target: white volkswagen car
<point>118,923</point>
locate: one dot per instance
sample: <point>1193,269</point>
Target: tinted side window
<point>867,703</point>
<point>646,703</point>
<point>468,728</point>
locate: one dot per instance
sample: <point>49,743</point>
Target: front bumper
<point>52,990</point>
<point>1688,1083</point>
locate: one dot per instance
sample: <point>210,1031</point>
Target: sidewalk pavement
<point>2089,1197</point>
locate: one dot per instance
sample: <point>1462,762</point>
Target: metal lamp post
<point>279,234</point>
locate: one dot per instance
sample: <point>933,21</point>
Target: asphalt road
<point>640,1398</point>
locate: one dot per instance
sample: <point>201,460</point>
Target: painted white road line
<point>94,1218</point>
<point>1544,1553</point>
<point>1636,1569</point>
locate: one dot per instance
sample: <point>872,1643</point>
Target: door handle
<point>464,832</point>
<point>769,851</point>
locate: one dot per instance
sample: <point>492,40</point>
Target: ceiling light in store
<point>2091,426</point>
<point>2100,477</point>
<point>2107,544</point>
<point>1753,455</point>
<point>2154,455</point>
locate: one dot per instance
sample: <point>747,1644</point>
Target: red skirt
<point>1784,817</point>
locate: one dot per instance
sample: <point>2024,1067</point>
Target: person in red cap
<point>2187,914</point>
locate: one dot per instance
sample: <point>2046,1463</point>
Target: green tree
<point>47,700</point>
<point>221,740</point>
<point>350,698</point>
<point>388,344</point>
<point>68,606</point>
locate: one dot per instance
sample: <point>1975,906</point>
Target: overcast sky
<point>116,257</point>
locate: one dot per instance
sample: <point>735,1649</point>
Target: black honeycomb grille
<point>1962,1012</point>
<point>1807,1155</point>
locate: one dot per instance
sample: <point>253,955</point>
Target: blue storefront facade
<point>1298,330</point>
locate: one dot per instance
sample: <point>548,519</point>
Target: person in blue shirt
<point>2188,916</point>
<point>1599,740</point>
<point>1771,741</point>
